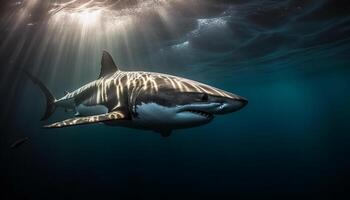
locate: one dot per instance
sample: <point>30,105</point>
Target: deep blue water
<point>290,59</point>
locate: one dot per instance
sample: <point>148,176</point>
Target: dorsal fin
<point>107,64</point>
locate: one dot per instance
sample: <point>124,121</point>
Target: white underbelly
<point>154,116</point>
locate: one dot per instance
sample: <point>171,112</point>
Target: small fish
<point>19,142</point>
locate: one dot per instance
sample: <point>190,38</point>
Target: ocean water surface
<point>290,59</point>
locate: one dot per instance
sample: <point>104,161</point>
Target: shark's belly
<point>158,117</point>
<point>153,116</point>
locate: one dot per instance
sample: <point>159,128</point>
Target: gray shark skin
<point>141,100</point>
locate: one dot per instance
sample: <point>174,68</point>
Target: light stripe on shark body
<point>86,120</point>
<point>136,82</point>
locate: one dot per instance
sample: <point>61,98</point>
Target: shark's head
<point>200,108</point>
<point>188,104</point>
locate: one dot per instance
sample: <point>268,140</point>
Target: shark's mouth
<point>201,113</point>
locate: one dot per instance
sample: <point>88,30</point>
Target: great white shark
<point>141,100</point>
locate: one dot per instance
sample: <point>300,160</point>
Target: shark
<point>140,100</point>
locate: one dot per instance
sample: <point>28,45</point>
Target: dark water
<point>290,59</point>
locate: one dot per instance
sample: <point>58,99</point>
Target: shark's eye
<point>204,97</point>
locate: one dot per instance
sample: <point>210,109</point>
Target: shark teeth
<point>198,112</point>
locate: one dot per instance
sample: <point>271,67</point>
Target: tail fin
<point>50,99</point>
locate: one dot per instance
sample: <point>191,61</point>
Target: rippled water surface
<point>290,59</point>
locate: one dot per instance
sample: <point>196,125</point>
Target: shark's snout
<point>231,105</point>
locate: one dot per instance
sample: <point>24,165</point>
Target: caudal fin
<point>50,99</point>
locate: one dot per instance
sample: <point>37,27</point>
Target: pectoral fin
<point>88,120</point>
